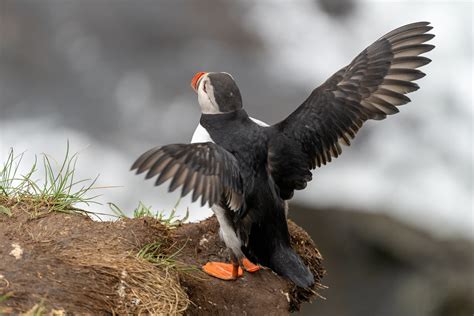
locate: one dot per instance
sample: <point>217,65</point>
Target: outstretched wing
<point>207,169</point>
<point>370,87</point>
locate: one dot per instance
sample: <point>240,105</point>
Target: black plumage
<point>372,86</point>
<point>251,170</point>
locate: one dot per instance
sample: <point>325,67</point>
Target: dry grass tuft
<point>141,287</point>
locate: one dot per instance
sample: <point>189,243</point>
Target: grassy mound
<point>69,262</point>
<point>54,259</point>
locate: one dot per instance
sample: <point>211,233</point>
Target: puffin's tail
<point>287,263</point>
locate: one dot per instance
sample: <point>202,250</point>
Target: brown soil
<point>260,293</point>
<point>69,263</point>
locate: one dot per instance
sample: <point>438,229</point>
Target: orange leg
<point>235,270</point>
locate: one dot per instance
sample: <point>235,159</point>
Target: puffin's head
<point>217,92</point>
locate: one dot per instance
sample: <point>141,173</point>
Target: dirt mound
<point>260,293</point>
<point>69,263</point>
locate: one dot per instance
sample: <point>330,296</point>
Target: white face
<point>206,98</point>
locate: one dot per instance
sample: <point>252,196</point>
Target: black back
<point>261,225</point>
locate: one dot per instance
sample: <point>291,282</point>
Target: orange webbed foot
<point>249,266</point>
<point>223,271</point>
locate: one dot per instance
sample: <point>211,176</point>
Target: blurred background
<point>393,216</point>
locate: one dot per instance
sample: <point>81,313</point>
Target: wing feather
<point>372,86</point>
<point>206,169</point>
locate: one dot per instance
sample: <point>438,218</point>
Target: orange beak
<point>195,80</point>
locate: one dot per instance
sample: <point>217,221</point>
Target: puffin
<point>247,170</point>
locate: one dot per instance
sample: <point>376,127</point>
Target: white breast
<point>259,122</point>
<point>201,135</point>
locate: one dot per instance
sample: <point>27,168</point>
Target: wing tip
<point>429,47</point>
<point>136,166</point>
